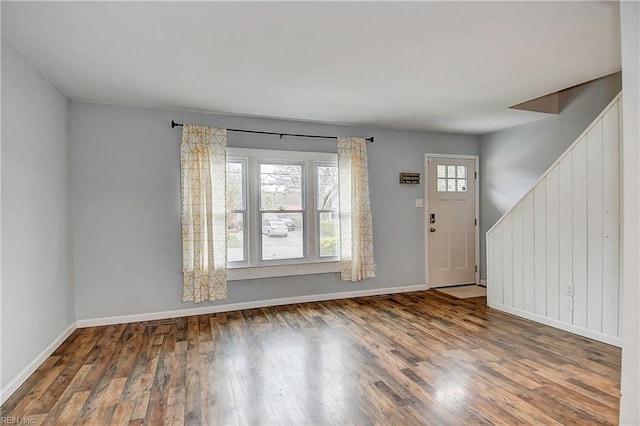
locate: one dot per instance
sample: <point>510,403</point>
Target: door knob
<point>432,229</point>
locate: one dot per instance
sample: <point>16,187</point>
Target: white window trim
<point>270,271</point>
<point>275,154</point>
<point>245,204</point>
<point>255,268</point>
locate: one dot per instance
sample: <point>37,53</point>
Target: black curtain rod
<point>174,124</point>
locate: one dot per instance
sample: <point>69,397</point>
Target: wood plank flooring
<point>413,358</point>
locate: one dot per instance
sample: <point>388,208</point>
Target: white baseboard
<point>27,371</point>
<point>94,322</point>
<point>600,337</point>
<point>483,283</point>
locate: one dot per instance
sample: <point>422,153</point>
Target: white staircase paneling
<point>498,289</point>
<point>594,226</point>
<point>528,253</point>
<point>540,249</point>
<point>554,257</point>
<point>552,243</point>
<point>579,225</point>
<point>507,261</point>
<point>610,223</point>
<point>518,259</point>
<point>565,236</point>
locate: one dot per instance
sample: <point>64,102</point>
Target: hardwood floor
<point>413,358</point>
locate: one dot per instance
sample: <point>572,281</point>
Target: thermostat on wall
<point>409,177</point>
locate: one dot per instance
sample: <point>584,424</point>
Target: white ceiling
<point>446,66</point>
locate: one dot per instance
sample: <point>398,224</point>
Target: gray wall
<point>37,289</point>
<point>126,214</point>
<point>512,160</point>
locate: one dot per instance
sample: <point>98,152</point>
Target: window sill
<point>249,273</point>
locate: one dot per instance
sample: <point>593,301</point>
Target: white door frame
<point>476,161</point>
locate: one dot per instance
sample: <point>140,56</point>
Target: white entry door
<point>451,221</point>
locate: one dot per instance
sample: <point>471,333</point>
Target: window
<point>452,178</point>
<point>327,211</point>
<point>236,196</point>
<point>282,208</point>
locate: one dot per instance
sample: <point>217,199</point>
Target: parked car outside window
<point>274,228</point>
<point>291,225</point>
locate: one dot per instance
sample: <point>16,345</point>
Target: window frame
<point>318,211</point>
<point>312,262</point>
<point>259,212</point>
<point>246,223</point>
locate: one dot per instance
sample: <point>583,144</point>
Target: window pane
<point>329,234</point>
<point>451,171</point>
<point>282,236</point>
<point>442,185</point>
<point>462,185</point>
<point>462,171</point>
<point>327,187</point>
<point>235,237</point>
<point>280,187</point>
<point>235,188</point>
<point>451,185</point>
<point>442,171</point>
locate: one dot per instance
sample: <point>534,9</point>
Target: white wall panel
<point>579,225</point>
<point>507,261</point>
<point>565,235</point>
<point>552,243</point>
<point>496,269</point>
<point>518,265</point>
<point>594,226</point>
<point>610,221</point>
<point>555,255</point>
<point>540,249</point>
<point>528,253</point>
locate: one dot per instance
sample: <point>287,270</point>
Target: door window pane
<point>282,236</point>
<point>281,187</point>
<point>451,178</point>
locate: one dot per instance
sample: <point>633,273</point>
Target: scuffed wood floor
<point>413,358</point>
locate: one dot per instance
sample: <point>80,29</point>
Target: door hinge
<point>475,175</point>
<point>476,268</point>
<point>475,222</point>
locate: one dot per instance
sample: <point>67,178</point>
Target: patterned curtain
<point>203,181</point>
<point>356,228</point>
